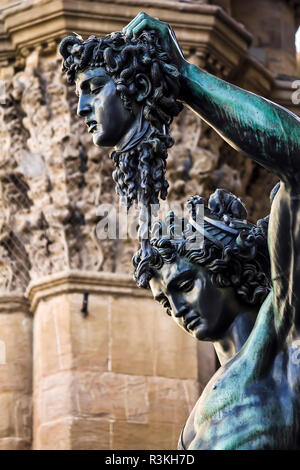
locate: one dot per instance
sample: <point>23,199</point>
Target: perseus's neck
<point>236,336</point>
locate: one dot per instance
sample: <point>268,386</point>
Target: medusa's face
<point>99,103</point>
<point>194,302</point>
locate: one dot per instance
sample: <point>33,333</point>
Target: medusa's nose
<point>84,106</point>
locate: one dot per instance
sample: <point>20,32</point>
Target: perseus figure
<point>232,290</point>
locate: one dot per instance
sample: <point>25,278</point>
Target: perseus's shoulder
<point>287,195</point>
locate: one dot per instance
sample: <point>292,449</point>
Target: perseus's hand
<point>169,42</point>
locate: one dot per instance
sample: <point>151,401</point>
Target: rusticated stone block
<point>170,400</point>
<point>53,398</point>
<point>90,336</point>
<point>133,342</point>
<point>91,434</point>
<point>16,360</point>
<point>273,30</point>
<point>175,353</point>
<point>130,436</point>
<point>15,416</point>
<point>55,435</point>
<point>97,403</point>
<point>74,433</point>
<point>66,340</point>
<point>14,443</point>
<point>124,366</point>
<point>15,374</point>
<point>145,341</point>
<point>53,349</point>
<point>134,398</point>
<point>102,395</point>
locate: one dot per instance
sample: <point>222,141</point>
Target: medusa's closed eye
<point>95,90</point>
<point>97,86</point>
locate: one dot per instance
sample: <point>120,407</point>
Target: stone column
<point>15,373</point>
<point>111,369</point>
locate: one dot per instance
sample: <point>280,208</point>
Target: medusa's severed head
<point>128,93</point>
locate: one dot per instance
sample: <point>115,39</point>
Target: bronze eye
<point>95,90</point>
<point>166,305</point>
<point>186,285</point>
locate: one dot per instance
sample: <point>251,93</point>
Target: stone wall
<point>273,26</point>
<point>15,374</point>
<point>119,377</point>
<point>122,376</point>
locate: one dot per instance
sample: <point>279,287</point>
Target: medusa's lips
<point>92,125</point>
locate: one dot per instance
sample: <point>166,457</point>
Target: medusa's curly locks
<point>140,172</point>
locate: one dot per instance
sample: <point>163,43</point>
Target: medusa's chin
<point>103,139</point>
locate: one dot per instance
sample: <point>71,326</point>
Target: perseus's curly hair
<point>140,171</point>
<point>242,264</point>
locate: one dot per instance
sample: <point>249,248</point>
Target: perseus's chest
<point>236,412</point>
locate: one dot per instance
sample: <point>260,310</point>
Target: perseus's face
<point>187,293</point>
<point>99,103</point>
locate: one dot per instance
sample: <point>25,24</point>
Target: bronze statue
<point>216,292</point>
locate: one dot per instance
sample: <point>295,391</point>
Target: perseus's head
<point>204,287</point>
<point>127,93</point>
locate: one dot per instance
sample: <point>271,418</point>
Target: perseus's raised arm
<point>262,130</point>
